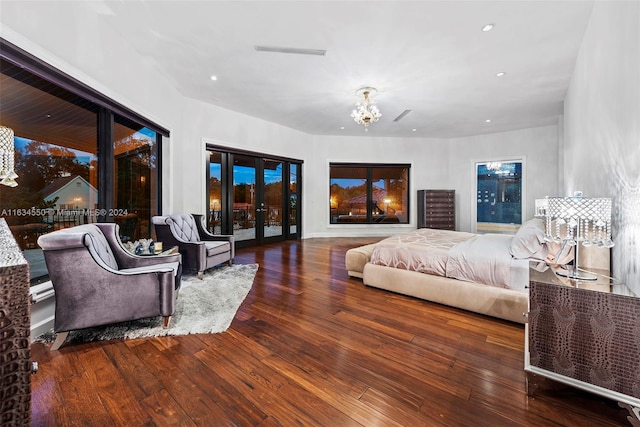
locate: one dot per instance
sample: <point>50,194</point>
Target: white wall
<point>428,170</point>
<point>537,147</point>
<point>602,126</point>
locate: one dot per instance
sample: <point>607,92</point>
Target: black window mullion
<point>105,164</point>
<point>159,174</point>
<point>226,173</point>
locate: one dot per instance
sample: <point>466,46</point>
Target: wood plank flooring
<point>311,346</point>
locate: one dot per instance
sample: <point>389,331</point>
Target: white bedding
<point>424,250</point>
<point>483,259</point>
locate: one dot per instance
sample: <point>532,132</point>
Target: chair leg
<point>230,263</point>
<point>60,337</point>
<point>165,322</point>
<point>201,275</point>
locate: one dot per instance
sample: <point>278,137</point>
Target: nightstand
<point>585,334</point>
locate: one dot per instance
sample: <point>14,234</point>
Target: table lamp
<point>587,220</point>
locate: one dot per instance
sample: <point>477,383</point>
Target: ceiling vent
<point>401,115</point>
<point>295,50</point>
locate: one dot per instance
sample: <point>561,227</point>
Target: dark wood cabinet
<point>437,209</point>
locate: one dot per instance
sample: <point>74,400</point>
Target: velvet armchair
<point>97,282</point>
<point>200,249</point>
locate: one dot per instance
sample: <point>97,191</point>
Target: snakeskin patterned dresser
<point>585,334</point>
<point>15,353</point>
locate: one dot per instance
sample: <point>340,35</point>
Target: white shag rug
<point>203,307</point>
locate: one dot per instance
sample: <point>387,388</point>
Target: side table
<point>585,334</point>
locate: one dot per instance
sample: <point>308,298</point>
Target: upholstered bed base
<point>497,302</point>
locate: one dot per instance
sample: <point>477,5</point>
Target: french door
<point>253,197</point>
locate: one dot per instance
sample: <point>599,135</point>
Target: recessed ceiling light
<point>500,74</point>
<point>488,27</point>
<point>214,78</point>
<point>341,127</point>
<point>413,130</point>
<point>488,121</point>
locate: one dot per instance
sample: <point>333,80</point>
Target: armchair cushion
<point>216,248</point>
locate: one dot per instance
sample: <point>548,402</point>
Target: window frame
<point>370,167</point>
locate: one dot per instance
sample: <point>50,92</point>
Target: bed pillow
<point>529,240</point>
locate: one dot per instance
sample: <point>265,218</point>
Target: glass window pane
<point>244,197</point>
<point>293,199</point>
<point>348,195</point>
<point>55,159</point>
<point>390,195</point>
<point>215,192</point>
<point>273,190</point>
<point>136,178</point>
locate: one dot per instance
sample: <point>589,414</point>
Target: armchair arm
<point>65,240</point>
<point>206,236</point>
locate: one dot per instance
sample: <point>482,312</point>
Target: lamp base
<point>576,275</point>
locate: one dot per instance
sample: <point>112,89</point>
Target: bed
<point>483,273</point>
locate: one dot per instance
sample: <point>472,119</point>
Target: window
<point>368,194</point>
<point>135,151</point>
<point>80,157</point>
<point>499,196</point>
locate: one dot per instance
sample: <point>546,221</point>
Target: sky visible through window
<point>81,156</point>
<point>247,175</point>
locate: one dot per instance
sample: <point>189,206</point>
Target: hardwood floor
<point>311,346</point>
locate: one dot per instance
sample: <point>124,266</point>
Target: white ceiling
<point>427,56</point>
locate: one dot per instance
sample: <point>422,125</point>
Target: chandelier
<point>366,112</point>
<point>494,166</point>
<point>7,157</point>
